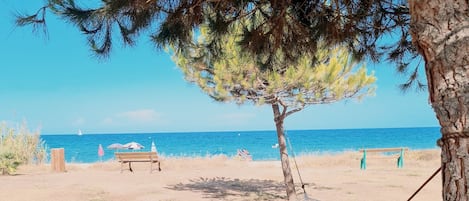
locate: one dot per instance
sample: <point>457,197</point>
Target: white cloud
<point>139,120</point>
<point>142,115</point>
<point>107,121</point>
<point>237,118</point>
<point>79,121</point>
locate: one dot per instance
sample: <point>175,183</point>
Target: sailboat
<point>79,132</point>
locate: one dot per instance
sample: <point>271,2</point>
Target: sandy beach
<point>334,177</point>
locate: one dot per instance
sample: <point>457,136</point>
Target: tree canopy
<point>292,26</point>
<point>235,75</point>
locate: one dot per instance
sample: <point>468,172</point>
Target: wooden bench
<point>130,157</point>
<point>400,159</point>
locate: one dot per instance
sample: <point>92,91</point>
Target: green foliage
<point>234,75</point>
<point>20,146</point>
<point>290,28</point>
<point>8,163</point>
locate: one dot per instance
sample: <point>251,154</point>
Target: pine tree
<point>235,76</point>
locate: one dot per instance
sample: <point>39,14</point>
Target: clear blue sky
<point>57,85</point>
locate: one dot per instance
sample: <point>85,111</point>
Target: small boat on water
<point>79,132</point>
<point>275,146</point>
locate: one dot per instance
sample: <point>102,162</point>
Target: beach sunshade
<point>133,145</point>
<point>116,146</point>
<point>100,151</point>
<point>153,147</point>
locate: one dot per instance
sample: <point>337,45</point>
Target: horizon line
<point>234,131</point>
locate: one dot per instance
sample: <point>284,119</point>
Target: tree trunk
<point>288,178</point>
<point>440,32</point>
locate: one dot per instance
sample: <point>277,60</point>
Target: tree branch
<point>302,106</point>
<point>284,111</point>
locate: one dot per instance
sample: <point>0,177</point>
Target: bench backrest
<point>136,156</point>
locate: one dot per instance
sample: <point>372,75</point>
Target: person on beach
<point>244,154</point>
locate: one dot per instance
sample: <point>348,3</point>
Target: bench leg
<point>151,166</point>
<point>130,167</point>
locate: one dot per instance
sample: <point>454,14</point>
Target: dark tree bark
<point>440,31</point>
<point>279,117</point>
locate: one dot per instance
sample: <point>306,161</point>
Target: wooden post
<point>58,160</point>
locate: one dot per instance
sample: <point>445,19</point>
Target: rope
<point>425,183</point>
<point>447,136</point>
<point>296,165</point>
<point>463,134</point>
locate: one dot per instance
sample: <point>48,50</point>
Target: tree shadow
<point>236,189</point>
<point>224,188</point>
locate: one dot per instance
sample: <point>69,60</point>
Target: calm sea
<point>84,148</point>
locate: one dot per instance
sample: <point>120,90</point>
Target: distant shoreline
<point>232,158</point>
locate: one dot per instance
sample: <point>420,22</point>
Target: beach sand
<point>328,177</point>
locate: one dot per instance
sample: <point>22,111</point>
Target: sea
<point>260,144</point>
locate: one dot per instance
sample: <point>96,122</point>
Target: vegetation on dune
<point>19,146</point>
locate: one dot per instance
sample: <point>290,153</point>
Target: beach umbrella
<point>133,145</point>
<point>100,152</point>
<point>116,146</point>
<point>153,147</point>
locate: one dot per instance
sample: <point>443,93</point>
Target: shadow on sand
<point>227,188</point>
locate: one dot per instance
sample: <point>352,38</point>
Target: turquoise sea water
<point>84,148</point>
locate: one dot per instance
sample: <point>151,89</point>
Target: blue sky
<point>58,86</point>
